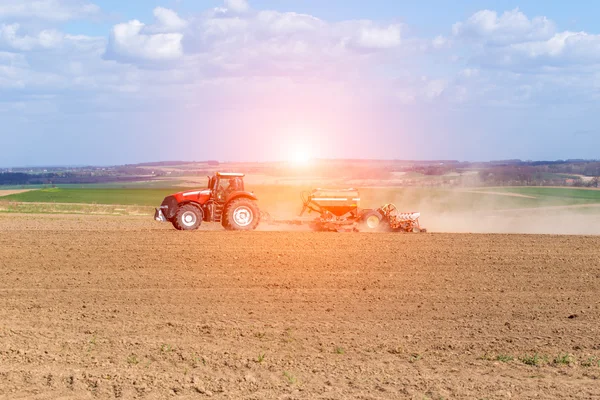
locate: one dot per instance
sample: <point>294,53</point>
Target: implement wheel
<point>370,221</point>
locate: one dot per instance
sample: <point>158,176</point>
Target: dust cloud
<point>496,213</point>
<point>558,222</point>
<point>467,210</point>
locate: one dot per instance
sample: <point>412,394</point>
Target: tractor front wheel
<point>187,218</point>
<point>241,215</point>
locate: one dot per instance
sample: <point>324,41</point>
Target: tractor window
<point>222,189</point>
<point>222,185</point>
<point>236,185</point>
<point>227,186</point>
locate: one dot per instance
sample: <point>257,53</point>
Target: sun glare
<point>300,158</point>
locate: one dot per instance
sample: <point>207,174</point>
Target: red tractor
<point>224,201</point>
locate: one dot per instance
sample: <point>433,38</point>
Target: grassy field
<point>63,208</point>
<point>274,198</point>
<point>139,197</point>
<point>555,193</point>
<point>164,184</point>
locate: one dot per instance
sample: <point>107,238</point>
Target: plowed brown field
<point>121,307</point>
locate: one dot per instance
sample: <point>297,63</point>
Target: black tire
<point>188,218</point>
<point>225,224</point>
<point>371,221</point>
<point>241,215</point>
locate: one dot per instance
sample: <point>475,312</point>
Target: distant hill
<point>172,163</point>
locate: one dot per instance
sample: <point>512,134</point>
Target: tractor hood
<point>203,195</point>
<point>196,195</point>
<point>193,193</point>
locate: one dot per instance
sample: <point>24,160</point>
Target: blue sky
<point>112,82</point>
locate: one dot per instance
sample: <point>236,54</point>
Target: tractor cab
<point>224,184</point>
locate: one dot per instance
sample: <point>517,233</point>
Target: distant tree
<point>14,178</point>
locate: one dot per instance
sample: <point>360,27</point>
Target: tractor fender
<point>239,195</point>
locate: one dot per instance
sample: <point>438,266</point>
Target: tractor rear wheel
<point>188,218</point>
<point>241,215</point>
<point>370,221</point>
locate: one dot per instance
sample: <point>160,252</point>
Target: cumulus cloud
<point>238,6</point>
<point>222,26</point>
<point>565,47</point>
<point>11,67</point>
<point>52,10</point>
<point>266,46</point>
<point>275,43</point>
<point>286,23</point>
<point>136,41</point>
<point>167,21</point>
<point>510,27</point>
<point>12,38</point>
<point>374,37</point>
<point>236,58</point>
<point>22,78</point>
<point>439,42</point>
<point>129,42</point>
<point>514,41</point>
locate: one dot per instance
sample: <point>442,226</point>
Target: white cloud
<point>439,42</point>
<point>13,59</point>
<point>262,42</point>
<point>12,38</point>
<point>238,6</point>
<point>515,42</point>
<point>374,37</point>
<point>511,27</point>
<point>286,23</point>
<point>11,67</point>
<point>130,42</point>
<point>52,10</point>
<point>173,54</point>
<point>277,43</point>
<point>223,26</point>
<point>568,47</point>
<point>17,73</point>
<point>167,21</point>
<point>267,26</point>
<point>253,60</point>
<point>135,41</point>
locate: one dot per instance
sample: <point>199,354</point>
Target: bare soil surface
<point>122,307</point>
<point>9,192</point>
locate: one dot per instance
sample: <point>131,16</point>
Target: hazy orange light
<point>300,158</point>
<point>298,145</point>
